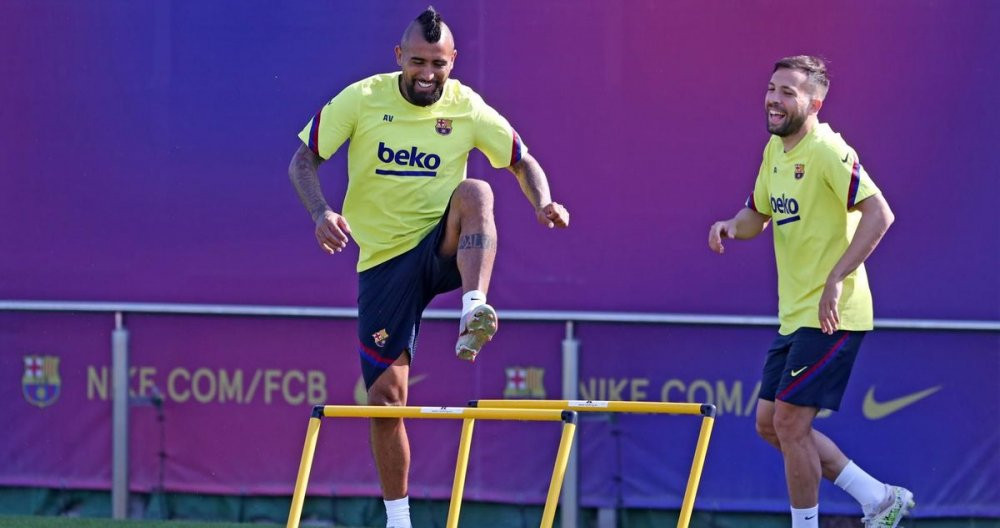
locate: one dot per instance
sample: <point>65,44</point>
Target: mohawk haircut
<point>813,67</point>
<point>430,24</point>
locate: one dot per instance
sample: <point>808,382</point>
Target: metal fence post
<point>569,503</point>
<point>119,419</point>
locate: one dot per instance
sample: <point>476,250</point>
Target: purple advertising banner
<point>236,395</point>
<point>146,145</point>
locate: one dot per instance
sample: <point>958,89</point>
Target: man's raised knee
<point>474,194</point>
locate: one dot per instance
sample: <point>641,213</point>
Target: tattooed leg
<point>472,233</point>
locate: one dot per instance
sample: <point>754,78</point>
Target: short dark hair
<point>813,67</point>
<point>430,24</point>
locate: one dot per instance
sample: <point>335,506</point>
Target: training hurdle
<point>707,411</point>
<point>468,415</point>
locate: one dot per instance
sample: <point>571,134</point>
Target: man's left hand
<point>829,318</point>
<point>553,215</point>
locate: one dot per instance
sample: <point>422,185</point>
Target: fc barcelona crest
<point>800,170</point>
<point>380,337</point>
<point>40,383</point>
<point>443,126</point>
<point>524,382</point>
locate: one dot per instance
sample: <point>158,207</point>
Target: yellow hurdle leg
<point>701,449</point>
<point>461,465</point>
<point>302,482</point>
<point>555,485</point>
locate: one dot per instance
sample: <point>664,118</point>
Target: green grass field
<point>69,522</point>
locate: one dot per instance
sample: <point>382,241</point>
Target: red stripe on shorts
<point>815,368</point>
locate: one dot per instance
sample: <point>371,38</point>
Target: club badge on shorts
<point>380,337</point>
<point>443,126</point>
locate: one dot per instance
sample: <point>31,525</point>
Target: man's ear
<point>814,105</point>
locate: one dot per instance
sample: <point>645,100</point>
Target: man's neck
<point>402,91</point>
<point>789,142</point>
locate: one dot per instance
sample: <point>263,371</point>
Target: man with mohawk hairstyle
<point>421,226</point>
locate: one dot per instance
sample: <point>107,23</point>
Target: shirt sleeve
<point>333,124</point>
<point>760,200</point>
<point>496,138</point>
<point>848,179</point>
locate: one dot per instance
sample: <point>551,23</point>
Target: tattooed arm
<point>535,187</point>
<point>331,228</point>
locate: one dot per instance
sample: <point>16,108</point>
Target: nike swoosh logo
<point>874,410</point>
<point>361,395</point>
<point>846,156</point>
<point>810,517</point>
<point>797,372</point>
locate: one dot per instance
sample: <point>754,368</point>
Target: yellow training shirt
<point>808,193</point>
<point>404,161</point>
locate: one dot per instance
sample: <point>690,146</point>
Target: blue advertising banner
<point>921,410</point>
<point>226,400</point>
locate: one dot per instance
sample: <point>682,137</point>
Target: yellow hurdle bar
<point>594,406</point>
<point>375,411</point>
<point>461,465</point>
<point>707,411</point>
<point>305,466</point>
<point>555,485</point>
<point>700,450</point>
<point>468,415</point>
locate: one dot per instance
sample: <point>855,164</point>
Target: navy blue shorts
<point>392,297</point>
<point>809,368</point>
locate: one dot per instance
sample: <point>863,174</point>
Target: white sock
<point>865,489</point>
<point>805,517</point>
<point>472,299</point>
<point>397,513</point>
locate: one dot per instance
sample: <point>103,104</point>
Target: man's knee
<point>474,195</point>
<point>764,422</point>
<point>765,429</point>
<point>388,394</point>
<point>792,423</point>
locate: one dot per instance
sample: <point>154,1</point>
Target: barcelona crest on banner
<point>524,382</point>
<point>41,383</point>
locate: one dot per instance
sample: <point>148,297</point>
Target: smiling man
<point>421,226</point>
<point>828,218</point>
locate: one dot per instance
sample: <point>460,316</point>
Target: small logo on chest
<point>800,170</point>
<point>443,126</point>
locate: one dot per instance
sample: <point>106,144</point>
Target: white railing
<point>509,315</point>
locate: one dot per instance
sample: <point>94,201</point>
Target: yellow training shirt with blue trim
<point>404,161</point>
<point>809,192</point>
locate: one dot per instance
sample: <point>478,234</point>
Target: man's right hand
<point>719,230</point>
<point>331,232</point>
